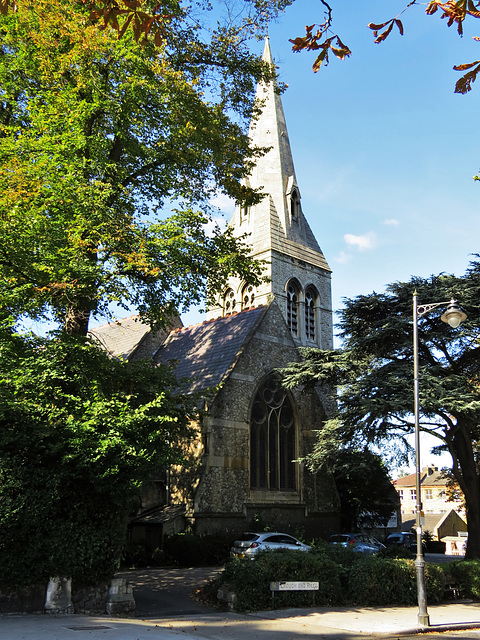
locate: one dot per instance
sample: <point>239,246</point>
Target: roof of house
<point>430,477</point>
<point>206,353</point>
<point>432,521</point>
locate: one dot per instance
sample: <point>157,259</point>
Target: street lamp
<point>453,316</point>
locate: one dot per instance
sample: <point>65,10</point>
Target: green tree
<point>97,135</point>
<point>374,376</point>
<point>367,496</point>
<point>79,433</point>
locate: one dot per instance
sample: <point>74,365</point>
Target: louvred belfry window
<point>272,439</point>
<point>292,309</point>
<point>310,313</point>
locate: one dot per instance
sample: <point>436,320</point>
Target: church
<point>251,432</point>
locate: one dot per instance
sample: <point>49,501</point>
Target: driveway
<point>164,592</point>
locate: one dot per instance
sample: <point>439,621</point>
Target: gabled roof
<point>207,352</point>
<point>432,521</point>
<point>130,338</point>
<point>430,477</point>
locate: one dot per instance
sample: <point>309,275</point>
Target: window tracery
<point>229,302</point>
<point>272,439</point>
<point>248,296</point>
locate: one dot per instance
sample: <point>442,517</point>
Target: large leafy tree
<point>79,433</point>
<point>374,375</point>
<point>367,496</point>
<point>98,134</point>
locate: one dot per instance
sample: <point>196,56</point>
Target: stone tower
<point>278,233</point>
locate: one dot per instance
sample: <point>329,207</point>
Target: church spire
<point>278,232</point>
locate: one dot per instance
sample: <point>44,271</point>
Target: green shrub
<point>344,577</point>
<point>380,581</point>
<point>396,551</point>
<point>377,581</point>
<point>250,581</point>
<point>467,575</point>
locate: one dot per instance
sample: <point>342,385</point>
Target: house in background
<point>443,516</point>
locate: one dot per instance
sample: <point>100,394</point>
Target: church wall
<point>224,503</point>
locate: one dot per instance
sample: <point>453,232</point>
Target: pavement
<point>288,624</point>
<point>165,611</point>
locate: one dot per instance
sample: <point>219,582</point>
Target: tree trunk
<point>76,320</point>
<point>467,476</point>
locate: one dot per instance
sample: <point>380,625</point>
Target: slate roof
<point>130,338</point>
<point>207,352</point>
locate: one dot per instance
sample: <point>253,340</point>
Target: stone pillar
<point>59,596</point>
<point>120,598</point>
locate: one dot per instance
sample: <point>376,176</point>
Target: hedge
<point>344,579</point>
<point>467,575</point>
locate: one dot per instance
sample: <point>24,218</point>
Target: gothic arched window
<point>229,302</point>
<point>310,299</point>
<point>294,204</point>
<point>272,439</point>
<point>292,308</point>
<point>248,296</point>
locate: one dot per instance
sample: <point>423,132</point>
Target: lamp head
<point>453,315</point>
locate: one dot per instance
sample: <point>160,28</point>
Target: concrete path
<point>291,624</point>
<point>165,593</point>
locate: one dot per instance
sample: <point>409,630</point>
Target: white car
<point>249,544</point>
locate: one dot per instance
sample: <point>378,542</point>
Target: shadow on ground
<point>164,592</point>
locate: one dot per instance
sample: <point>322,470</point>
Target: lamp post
<point>453,316</point>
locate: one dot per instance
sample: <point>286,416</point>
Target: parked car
<point>404,539</point>
<point>361,542</point>
<point>249,544</point>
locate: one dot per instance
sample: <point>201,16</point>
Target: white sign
<point>294,586</point>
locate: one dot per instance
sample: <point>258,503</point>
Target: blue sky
<point>384,151</point>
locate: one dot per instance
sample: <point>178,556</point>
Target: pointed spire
<point>267,54</point>
<point>276,229</point>
<point>274,172</point>
<point>275,169</point>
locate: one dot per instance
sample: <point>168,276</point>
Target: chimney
<point>430,470</point>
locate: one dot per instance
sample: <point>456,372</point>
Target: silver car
<point>360,542</point>
<point>249,544</point>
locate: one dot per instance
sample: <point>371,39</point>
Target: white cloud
<point>343,257</point>
<point>224,203</point>
<point>392,222</point>
<point>363,242</point>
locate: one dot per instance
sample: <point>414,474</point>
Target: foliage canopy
<point>374,376</point>
<point>99,134</point>
<point>79,433</point>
